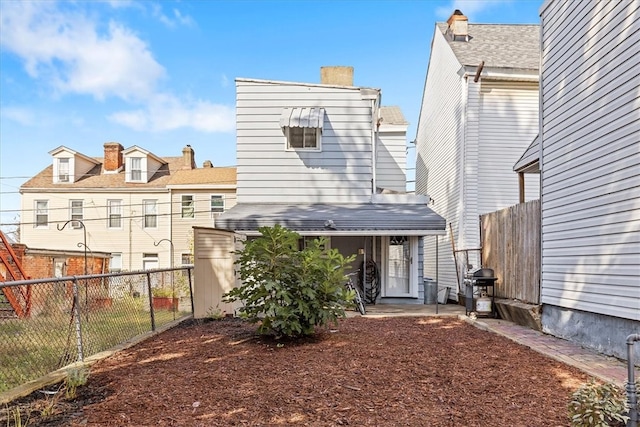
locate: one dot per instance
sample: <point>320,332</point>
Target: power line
<point>122,217</point>
<point>161,172</point>
<point>139,204</point>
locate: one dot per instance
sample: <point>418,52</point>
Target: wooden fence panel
<point>511,246</point>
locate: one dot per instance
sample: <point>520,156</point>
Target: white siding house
<point>590,172</point>
<point>327,160</point>
<point>135,214</point>
<point>479,113</point>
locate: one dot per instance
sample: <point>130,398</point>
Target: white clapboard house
<point>479,113</point>
<point>131,203</point>
<point>328,160</point>
<point>588,157</point>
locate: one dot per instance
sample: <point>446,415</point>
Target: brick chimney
<point>112,157</point>
<point>458,26</point>
<point>207,164</point>
<point>188,158</point>
<point>336,75</point>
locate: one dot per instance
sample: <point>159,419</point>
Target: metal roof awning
<point>530,160</point>
<point>364,219</point>
<point>302,117</point>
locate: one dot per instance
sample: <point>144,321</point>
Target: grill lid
<point>483,273</point>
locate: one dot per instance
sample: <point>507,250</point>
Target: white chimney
<point>458,26</point>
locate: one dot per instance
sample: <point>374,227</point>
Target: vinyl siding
<point>182,228</point>
<point>391,160</point>
<point>591,157</point>
<point>132,239</point>
<point>267,172</point>
<point>468,228</point>
<point>438,152</point>
<point>508,124</point>
<point>470,135</point>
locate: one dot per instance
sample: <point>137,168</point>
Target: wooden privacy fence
<point>511,246</point>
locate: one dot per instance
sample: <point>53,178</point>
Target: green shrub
<point>162,292</point>
<point>76,377</point>
<point>598,405</point>
<point>287,290</point>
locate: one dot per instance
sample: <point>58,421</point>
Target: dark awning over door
<point>348,219</point>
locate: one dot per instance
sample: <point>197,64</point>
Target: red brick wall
<point>112,156</point>
<point>38,266</point>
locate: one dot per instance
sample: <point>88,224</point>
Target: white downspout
<point>171,261</point>
<point>374,123</point>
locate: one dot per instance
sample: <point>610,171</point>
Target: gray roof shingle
<point>392,115</point>
<point>513,46</point>
<point>350,219</point>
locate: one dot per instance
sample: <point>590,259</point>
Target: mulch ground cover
<point>400,371</point>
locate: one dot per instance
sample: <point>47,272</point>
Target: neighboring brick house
<point>131,203</point>
<point>44,264</point>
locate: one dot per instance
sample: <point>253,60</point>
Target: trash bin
<point>430,291</point>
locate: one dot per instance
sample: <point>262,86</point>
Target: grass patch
<point>33,347</point>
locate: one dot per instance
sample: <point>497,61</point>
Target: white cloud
<point>72,51</point>
<point>469,7</point>
<point>166,112</point>
<point>19,115</point>
<point>224,81</point>
<point>172,22</point>
<point>68,51</point>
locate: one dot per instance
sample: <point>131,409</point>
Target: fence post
<point>190,291</point>
<point>76,314</point>
<point>153,317</point>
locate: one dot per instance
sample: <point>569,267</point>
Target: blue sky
<point>160,74</point>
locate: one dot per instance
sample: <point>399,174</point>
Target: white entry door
<point>401,266</point>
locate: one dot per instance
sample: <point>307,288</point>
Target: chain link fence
<point>47,324</point>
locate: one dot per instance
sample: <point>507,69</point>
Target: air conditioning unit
<point>76,224</point>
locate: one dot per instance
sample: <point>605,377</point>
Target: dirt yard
<point>412,371</point>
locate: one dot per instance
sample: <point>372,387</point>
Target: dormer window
<point>136,169</point>
<point>63,169</point>
<point>302,128</point>
<point>69,166</point>
<point>140,165</point>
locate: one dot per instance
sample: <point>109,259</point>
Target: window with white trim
<point>136,168</point>
<point>77,210</point>
<point>188,206</point>
<point>115,264</point>
<point>63,169</point>
<point>217,204</point>
<point>302,138</point>
<point>187,259</point>
<point>150,212</point>
<point>42,214</point>
<point>114,213</point>
<point>302,127</point>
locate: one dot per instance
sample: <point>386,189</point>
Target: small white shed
<point>214,270</point>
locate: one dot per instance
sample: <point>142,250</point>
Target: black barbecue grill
<point>476,282</point>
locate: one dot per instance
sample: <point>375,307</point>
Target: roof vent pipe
<point>478,72</point>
